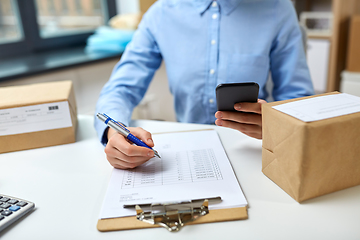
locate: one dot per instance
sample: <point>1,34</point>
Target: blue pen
<point>123,131</point>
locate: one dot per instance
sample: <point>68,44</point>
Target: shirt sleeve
<point>131,76</point>
<point>288,65</point>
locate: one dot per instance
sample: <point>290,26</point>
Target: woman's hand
<point>247,119</point>
<point>123,154</point>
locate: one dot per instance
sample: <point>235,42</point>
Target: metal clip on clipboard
<point>173,216</point>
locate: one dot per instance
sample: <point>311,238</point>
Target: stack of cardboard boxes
<point>353,61</point>
<point>350,82</point>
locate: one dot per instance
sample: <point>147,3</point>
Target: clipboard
<point>128,223</point>
<point>214,215</point>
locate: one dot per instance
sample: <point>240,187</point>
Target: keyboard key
<point>22,204</point>
<point>1,209</point>
<point>4,199</point>
<point>13,201</point>
<point>5,205</point>
<point>6,213</point>
<point>14,208</point>
<point>1,217</point>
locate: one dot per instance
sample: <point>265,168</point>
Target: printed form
<point>193,165</point>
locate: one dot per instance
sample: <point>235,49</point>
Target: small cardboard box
<point>310,159</point>
<point>37,115</point>
<point>353,55</point>
<point>145,5</point>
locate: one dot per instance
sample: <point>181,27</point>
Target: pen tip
<point>157,154</point>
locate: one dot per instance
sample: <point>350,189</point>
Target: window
<point>28,26</point>
<point>68,17</point>
<point>9,22</point>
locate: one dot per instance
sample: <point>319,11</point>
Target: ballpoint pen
<point>123,131</point>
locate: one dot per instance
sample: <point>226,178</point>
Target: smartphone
<point>227,94</point>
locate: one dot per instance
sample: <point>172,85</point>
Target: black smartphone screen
<point>227,94</point>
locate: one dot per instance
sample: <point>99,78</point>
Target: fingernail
<point>219,122</point>
<point>237,106</point>
<point>150,140</point>
<point>150,154</point>
<point>220,115</point>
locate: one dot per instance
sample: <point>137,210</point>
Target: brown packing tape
<point>127,223</point>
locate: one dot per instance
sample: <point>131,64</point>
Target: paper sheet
<point>193,165</point>
<point>323,107</point>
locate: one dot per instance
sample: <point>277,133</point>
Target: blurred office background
<point>45,40</point>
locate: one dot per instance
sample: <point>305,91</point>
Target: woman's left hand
<point>247,119</point>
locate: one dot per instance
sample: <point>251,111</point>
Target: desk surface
<point>68,184</point>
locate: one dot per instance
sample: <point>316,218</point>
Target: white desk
<point>68,184</point>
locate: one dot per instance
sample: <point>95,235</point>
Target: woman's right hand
<point>123,154</point>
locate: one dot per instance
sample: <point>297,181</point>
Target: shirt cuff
<point>104,138</point>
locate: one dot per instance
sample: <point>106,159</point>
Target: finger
<point>248,129</point>
<point>240,117</point>
<point>121,144</point>
<point>124,165</point>
<point>254,135</point>
<point>250,107</point>
<point>114,154</point>
<point>119,160</point>
<point>261,101</point>
<point>143,135</point>
<point>110,132</point>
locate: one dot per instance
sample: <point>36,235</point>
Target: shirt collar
<point>226,5</point>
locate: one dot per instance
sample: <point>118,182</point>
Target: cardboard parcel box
<point>37,115</point>
<point>310,159</point>
<point>353,53</point>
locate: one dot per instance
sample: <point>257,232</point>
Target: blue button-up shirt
<point>205,43</point>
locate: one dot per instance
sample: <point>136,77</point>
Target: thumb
<point>143,135</point>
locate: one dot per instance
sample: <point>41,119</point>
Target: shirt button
<point>212,71</point>
<point>211,100</point>
<point>213,42</point>
<point>214,4</point>
<point>214,16</point>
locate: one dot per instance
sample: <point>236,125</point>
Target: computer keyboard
<point>12,209</point>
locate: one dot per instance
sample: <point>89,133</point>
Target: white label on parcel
<point>323,107</point>
<point>35,118</point>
